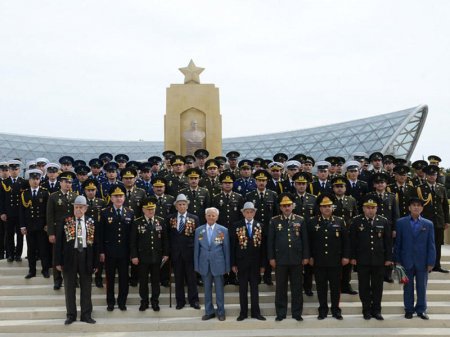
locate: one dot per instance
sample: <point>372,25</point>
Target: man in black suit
<point>32,222</point>
<point>181,226</point>
<point>76,254</point>
<point>248,259</point>
<point>355,187</point>
<point>322,184</point>
<point>114,245</point>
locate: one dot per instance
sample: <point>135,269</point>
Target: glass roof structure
<point>394,133</point>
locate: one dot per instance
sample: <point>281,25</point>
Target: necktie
<point>371,222</point>
<point>302,198</point>
<point>401,189</point>
<point>160,201</point>
<point>209,234</point>
<point>79,236</point>
<point>14,180</point>
<point>193,194</point>
<point>52,185</point>
<point>261,195</point>
<point>227,196</point>
<point>249,229</point>
<point>118,212</point>
<point>181,225</point>
<point>128,194</point>
<point>353,185</point>
<point>432,188</point>
<point>34,194</point>
<point>323,186</point>
<point>380,196</point>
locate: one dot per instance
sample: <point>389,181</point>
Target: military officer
<point>211,181</point>
<point>114,245</point>
<point>228,203</point>
<point>275,183</point>
<point>190,162</point>
<point>122,160</point>
<point>345,206</point>
<point>149,249</point>
<point>40,164</point>
<point>221,160</point>
<point>201,155</point>
<point>388,208</point>
<point>82,175</point>
<point>133,194</point>
<point>280,157</point>
<point>246,182</point>
<point>155,163</point>
<point>164,203</point>
<point>376,159</point>
<point>356,187</point>
<point>111,179</point>
<point>59,206</point>
<point>322,184</point>
<point>66,163</point>
<point>10,192</point>
<point>265,202</point>
<point>4,174</point>
<point>402,189</point>
<point>167,166</point>
<point>95,205</point>
<point>308,165</point>
<point>435,160</point>
<point>33,221</point>
<point>287,251</point>
<point>96,170</point>
<point>435,208</point>
<point>232,157</point>
<point>176,180</point>
<point>51,183</point>
<point>105,157</point>
<point>419,175</point>
<point>145,180</point>
<point>330,251</point>
<point>292,167</point>
<point>248,258</point>
<point>198,197</point>
<point>371,251</point>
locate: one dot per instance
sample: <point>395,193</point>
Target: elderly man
<point>76,254</point>
<point>415,250</point>
<point>212,261</point>
<point>248,259</point>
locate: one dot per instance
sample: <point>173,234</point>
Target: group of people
<point>218,221</point>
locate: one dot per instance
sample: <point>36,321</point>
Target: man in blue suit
<point>212,261</point>
<point>416,252</point>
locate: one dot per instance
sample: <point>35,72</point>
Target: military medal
<point>317,227</point>
<point>361,227</point>
<point>59,202</point>
<point>337,234</point>
<point>280,227</point>
<point>379,234</point>
<point>110,220</point>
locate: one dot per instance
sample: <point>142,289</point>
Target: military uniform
<point>199,200</point>
<point>164,205</point>
<point>212,185</point>
<point>229,208</point>
<point>149,242</point>
<point>51,187</point>
<point>134,198</point>
<point>244,185</point>
<point>288,245</point>
<point>329,244</point>
<point>33,218</point>
<point>175,184</point>
<point>371,247</point>
<point>402,195</point>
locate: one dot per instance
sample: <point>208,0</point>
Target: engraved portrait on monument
<point>194,138</point>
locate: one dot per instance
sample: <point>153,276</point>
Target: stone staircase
<point>32,308</point>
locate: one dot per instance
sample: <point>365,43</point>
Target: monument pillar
<point>192,120</point>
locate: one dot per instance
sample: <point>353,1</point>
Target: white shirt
<point>83,232</point>
<point>179,218</point>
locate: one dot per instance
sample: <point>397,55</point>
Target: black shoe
<point>10,259</point>
<point>338,316</point>
<point>378,316</point>
<point>179,306</point>
<point>309,293</point>
<point>423,316</point>
<point>45,273</point>
<point>199,283</point>
<point>388,280</point>
<point>99,283</point>
<point>349,291</point>
<point>155,307</point>
<point>278,319</point>
<point>88,320</point>
<point>30,275</point>
<point>123,307</point>
<point>133,283</point>
<point>57,285</point>
<point>241,318</point>
<point>221,318</point>
<point>408,315</point>
<point>440,270</point>
<point>321,317</point>
<point>207,317</point>
<point>367,316</point>
<point>18,259</point>
<point>69,321</point>
<point>268,282</point>
<point>259,317</point>
<point>195,305</point>
<point>298,318</point>
<point>110,307</point>
<point>165,284</point>
<point>143,306</point>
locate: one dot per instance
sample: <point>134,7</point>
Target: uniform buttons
<point>289,246</point>
<point>371,236</point>
<point>326,245</point>
<point>326,237</point>
<point>371,248</point>
<point>118,241</point>
<point>326,230</point>
<point>326,253</point>
<point>371,242</point>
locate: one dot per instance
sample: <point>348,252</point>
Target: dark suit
<point>316,187</point>
<point>402,195</point>
<point>371,247</point>
<point>288,244</point>
<point>248,254</point>
<point>358,191</point>
<point>175,184</point>
<point>182,256</point>
<point>149,242</point>
<point>415,250</point>
<point>229,208</point>
<point>276,186</point>
<point>75,262</point>
<point>115,244</point>
<point>212,185</point>
<point>33,217</point>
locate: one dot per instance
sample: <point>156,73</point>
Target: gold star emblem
<point>191,73</point>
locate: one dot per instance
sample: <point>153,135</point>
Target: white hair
<point>212,209</point>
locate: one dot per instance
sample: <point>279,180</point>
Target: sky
<point>99,69</point>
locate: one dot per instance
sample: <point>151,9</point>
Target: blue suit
<point>415,250</point>
<point>212,261</point>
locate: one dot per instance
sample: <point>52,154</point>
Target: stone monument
<point>192,120</point>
